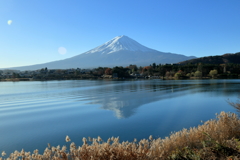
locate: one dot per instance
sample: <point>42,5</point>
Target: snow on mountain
<point>120,51</point>
<point>119,43</point>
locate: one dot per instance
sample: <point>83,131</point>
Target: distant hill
<point>226,58</point>
<point>120,51</point>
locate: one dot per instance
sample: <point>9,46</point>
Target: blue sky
<point>189,27</point>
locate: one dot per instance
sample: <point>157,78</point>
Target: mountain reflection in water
<point>126,97</point>
<point>35,113</point>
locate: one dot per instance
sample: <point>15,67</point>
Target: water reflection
<point>124,98</point>
<point>121,97</point>
<point>33,114</point>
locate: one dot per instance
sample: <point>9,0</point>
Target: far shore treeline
<point>158,71</point>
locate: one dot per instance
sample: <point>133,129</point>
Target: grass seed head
<point>99,139</point>
<point>4,153</point>
<point>84,140</point>
<point>224,130</point>
<point>67,139</point>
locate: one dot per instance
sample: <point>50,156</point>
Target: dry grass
<point>215,139</point>
<point>235,105</point>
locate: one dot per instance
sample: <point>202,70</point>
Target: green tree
<point>199,67</point>
<point>150,71</point>
<point>76,73</point>
<point>154,65</point>
<point>120,71</point>
<point>213,73</point>
<point>198,74</point>
<point>189,75</point>
<point>178,74</point>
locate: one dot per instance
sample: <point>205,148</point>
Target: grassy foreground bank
<point>214,139</point>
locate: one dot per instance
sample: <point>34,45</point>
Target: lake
<point>35,113</point>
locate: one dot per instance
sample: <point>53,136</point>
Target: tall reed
<point>199,142</point>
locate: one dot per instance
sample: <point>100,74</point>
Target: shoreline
<point>99,78</point>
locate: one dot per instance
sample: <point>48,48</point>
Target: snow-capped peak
<point>119,43</point>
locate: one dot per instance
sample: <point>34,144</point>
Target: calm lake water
<point>33,114</point>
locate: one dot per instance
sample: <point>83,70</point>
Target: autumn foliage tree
<point>146,68</point>
<point>108,71</point>
<point>179,74</point>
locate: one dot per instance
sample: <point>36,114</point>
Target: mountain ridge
<point>219,59</point>
<point>119,51</point>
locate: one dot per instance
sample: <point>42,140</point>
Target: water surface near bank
<point>35,113</point>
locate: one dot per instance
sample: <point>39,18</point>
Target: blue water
<point>35,113</point>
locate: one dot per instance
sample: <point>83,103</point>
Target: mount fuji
<point>120,51</point>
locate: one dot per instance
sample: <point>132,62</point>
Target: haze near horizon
<point>35,32</point>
